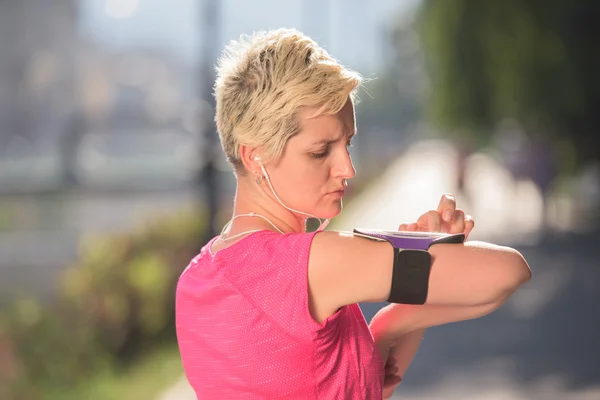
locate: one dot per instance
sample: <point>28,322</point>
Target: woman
<point>268,310</point>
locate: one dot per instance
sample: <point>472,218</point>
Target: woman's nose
<point>345,168</point>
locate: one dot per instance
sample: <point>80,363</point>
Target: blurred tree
<point>393,98</point>
<point>534,61</point>
<point>390,102</point>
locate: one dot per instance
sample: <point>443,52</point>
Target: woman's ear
<point>250,157</point>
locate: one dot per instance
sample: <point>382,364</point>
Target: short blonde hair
<point>264,80</point>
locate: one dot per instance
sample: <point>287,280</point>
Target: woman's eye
<point>321,155</point>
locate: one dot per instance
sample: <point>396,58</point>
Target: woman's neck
<point>252,200</point>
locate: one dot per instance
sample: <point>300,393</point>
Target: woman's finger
<point>446,207</point>
<point>469,225</point>
<point>408,227</point>
<point>391,380</point>
<point>458,223</point>
<point>431,221</point>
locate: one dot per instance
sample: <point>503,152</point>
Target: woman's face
<point>311,174</point>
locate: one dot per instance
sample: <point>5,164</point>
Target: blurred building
<point>60,84</point>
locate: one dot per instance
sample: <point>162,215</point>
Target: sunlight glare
<point>121,9</point>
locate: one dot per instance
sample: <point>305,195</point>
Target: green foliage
<point>152,373</point>
<point>8,214</point>
<point>534,61</point>
<point>114,305</point>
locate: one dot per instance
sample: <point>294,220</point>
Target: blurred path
<point>415,182</point>
<point>544,343</point>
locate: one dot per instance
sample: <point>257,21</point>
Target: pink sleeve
<point>271,271</point>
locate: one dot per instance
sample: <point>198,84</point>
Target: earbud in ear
<point>257,158</point>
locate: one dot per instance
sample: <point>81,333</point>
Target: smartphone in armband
<point>412,240</point>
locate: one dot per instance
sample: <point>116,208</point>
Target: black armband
<point>410,276</point>
<point>412,261</point>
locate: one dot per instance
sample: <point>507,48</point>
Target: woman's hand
<point>392,379</point>
<point>447,219</point>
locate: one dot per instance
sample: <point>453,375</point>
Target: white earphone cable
<point>322,224</point>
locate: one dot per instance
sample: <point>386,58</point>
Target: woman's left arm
<point>397,352</point>
<point>397,356</point>
<point>398,330</point>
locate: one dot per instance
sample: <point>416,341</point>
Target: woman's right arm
<point>346,269</point>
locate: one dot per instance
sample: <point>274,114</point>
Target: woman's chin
<point>332,211</point>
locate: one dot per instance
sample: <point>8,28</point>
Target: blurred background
<point>112,178</point>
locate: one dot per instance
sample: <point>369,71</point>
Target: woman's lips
<point>338,193</point>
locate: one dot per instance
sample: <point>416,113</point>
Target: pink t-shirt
<point>245,330</point>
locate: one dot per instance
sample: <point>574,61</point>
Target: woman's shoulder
<point>264,242</point>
